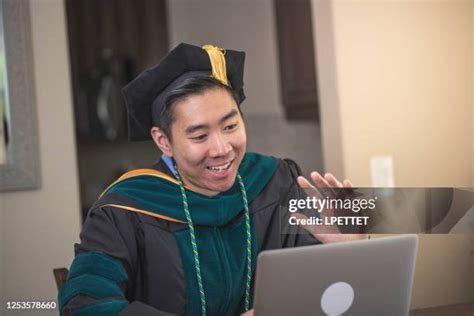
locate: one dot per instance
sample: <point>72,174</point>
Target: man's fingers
<point>322,184</point>
<point>309,189</point>
<point>303,183</point>
<point>333,182</point>
<point>347,184</point>
<point>316,230</point>
<point>319,180</point>
<point>330,238</point>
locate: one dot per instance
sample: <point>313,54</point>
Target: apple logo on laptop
<point>337,298</point>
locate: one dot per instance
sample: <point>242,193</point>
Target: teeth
<point>219,168</point>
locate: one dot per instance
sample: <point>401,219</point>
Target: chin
<point>223,187</point>
<point>226,187</point>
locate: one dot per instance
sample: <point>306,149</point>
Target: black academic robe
<point>145,257</point>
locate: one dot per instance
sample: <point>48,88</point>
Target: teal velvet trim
<point>108,308</point>
<point>100,264</point>
<point>222,253</point>
<point>90,285</point>
<point>164,197</point>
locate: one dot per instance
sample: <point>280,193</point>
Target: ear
<point>162,141</point>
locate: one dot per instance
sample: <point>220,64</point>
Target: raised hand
<point>320,188</point>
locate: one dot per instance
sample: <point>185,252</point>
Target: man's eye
<point>230,127</point>
<point>199,138</point>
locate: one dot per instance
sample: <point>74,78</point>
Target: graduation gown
<point>135,254</point>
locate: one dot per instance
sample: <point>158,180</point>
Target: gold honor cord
<point>217,59</point>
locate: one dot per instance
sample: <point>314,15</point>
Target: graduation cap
<point>145,95</point>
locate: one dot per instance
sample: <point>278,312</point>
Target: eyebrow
<point>191,129</point>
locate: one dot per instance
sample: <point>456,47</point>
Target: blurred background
<point>379,92</point>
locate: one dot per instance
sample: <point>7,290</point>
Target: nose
<point>219,146</point>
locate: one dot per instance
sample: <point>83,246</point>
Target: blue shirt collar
<point>169,163</point>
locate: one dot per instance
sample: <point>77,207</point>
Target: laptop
<point>364,277</point>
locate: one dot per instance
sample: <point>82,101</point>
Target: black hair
<point>191,86</point>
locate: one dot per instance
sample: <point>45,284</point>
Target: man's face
<point>208,141</point>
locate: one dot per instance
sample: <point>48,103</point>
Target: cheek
<point>241,140</point>
<point>191,154</point>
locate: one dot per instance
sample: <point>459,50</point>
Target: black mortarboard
<point>144,95</point>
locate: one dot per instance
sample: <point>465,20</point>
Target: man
<point>182,237</point>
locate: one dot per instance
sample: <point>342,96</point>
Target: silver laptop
<point>366,277</point>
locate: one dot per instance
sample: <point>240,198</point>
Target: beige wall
<point>397,79</point>
<point>404,72</point>
<point>38,228</point>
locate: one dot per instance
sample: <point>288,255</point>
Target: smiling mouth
<point>220,168</point>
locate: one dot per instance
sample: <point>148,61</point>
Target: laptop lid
<point>365,277</point>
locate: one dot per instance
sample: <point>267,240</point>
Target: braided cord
<point>194,244</point>
<point>249,243</point>
<point>197,265</point>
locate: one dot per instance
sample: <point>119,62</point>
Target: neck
<point>189,185</point>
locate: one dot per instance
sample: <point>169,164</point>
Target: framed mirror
<point>19,151</point>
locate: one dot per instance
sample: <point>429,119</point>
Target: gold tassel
<point>216,56</point>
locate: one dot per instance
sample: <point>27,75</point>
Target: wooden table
<point>451,310</point>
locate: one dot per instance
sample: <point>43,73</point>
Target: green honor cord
<point>194,244</point>
<point>249,243</point>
